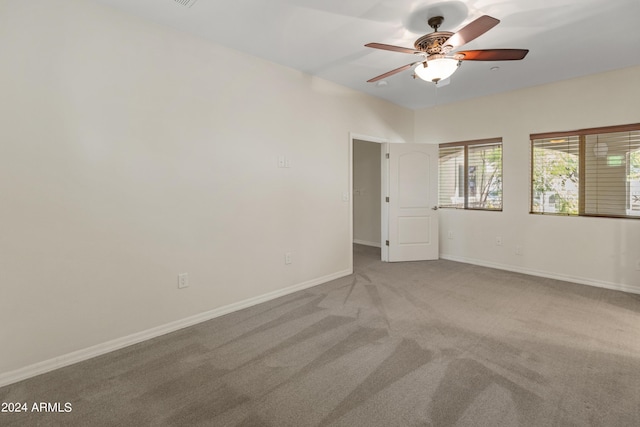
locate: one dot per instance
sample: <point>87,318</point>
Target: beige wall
<point>598,251</point>
<point>131,152</point>
<point>366,192</point>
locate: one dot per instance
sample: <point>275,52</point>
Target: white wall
<point>598,251</point>
<point>131,152</point>
<point>367,192</point>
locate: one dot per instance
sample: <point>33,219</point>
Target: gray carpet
<point>433,343</point>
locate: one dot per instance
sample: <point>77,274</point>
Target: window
<point>470,175</point>
<point>555,167</point>
<point>590,172</point>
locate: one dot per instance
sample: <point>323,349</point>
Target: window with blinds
<point>590,172</point>
<point>555,169</point>
<point>470,175</point>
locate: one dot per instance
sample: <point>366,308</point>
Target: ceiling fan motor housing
<point>432,43</point>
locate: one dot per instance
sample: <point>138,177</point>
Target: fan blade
<point>471,31</point>
<point>392,72</point>
<point>493,54</point>
<point>392,48</point>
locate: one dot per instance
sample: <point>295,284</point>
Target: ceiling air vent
<point>187,3</point>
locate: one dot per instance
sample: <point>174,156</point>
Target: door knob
<point>435,208</point>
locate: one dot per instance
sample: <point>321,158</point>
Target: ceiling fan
<point>436,49</point>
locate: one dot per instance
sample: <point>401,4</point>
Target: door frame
<point>384,192</point>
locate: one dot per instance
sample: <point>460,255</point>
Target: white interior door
<point>413,200</point>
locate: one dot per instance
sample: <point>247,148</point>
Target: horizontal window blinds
<point>484,185</point>
<point>611,178</point>
<point>555,172</point>
<point>592,172</point>
<point>470,175</point>
<point>451,177</point>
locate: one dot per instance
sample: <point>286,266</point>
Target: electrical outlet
<point>450,234</point>
<point>287,258</point>
<point>281,162</point>
<point>183,280</point>
<point>498,241</point>
<point>519,250</point>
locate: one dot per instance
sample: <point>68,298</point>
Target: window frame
<point>581,134</point>
<point>465,146</point>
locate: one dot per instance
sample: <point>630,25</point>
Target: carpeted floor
<point>434,343</point>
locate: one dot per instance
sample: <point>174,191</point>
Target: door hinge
<point>386,155</point>
<point>386,243</point>
<point>387,199</point>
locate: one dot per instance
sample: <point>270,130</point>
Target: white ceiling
<point>325,38</point>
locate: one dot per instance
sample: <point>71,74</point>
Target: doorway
<point>367,193</point>
<point>394,191</point>
<point>369,211</point>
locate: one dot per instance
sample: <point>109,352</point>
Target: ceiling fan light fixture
<point>437,69</point>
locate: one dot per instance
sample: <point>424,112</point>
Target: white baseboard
<point>550,275</point>
<point>364,242</point>
<point>109,346</point>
